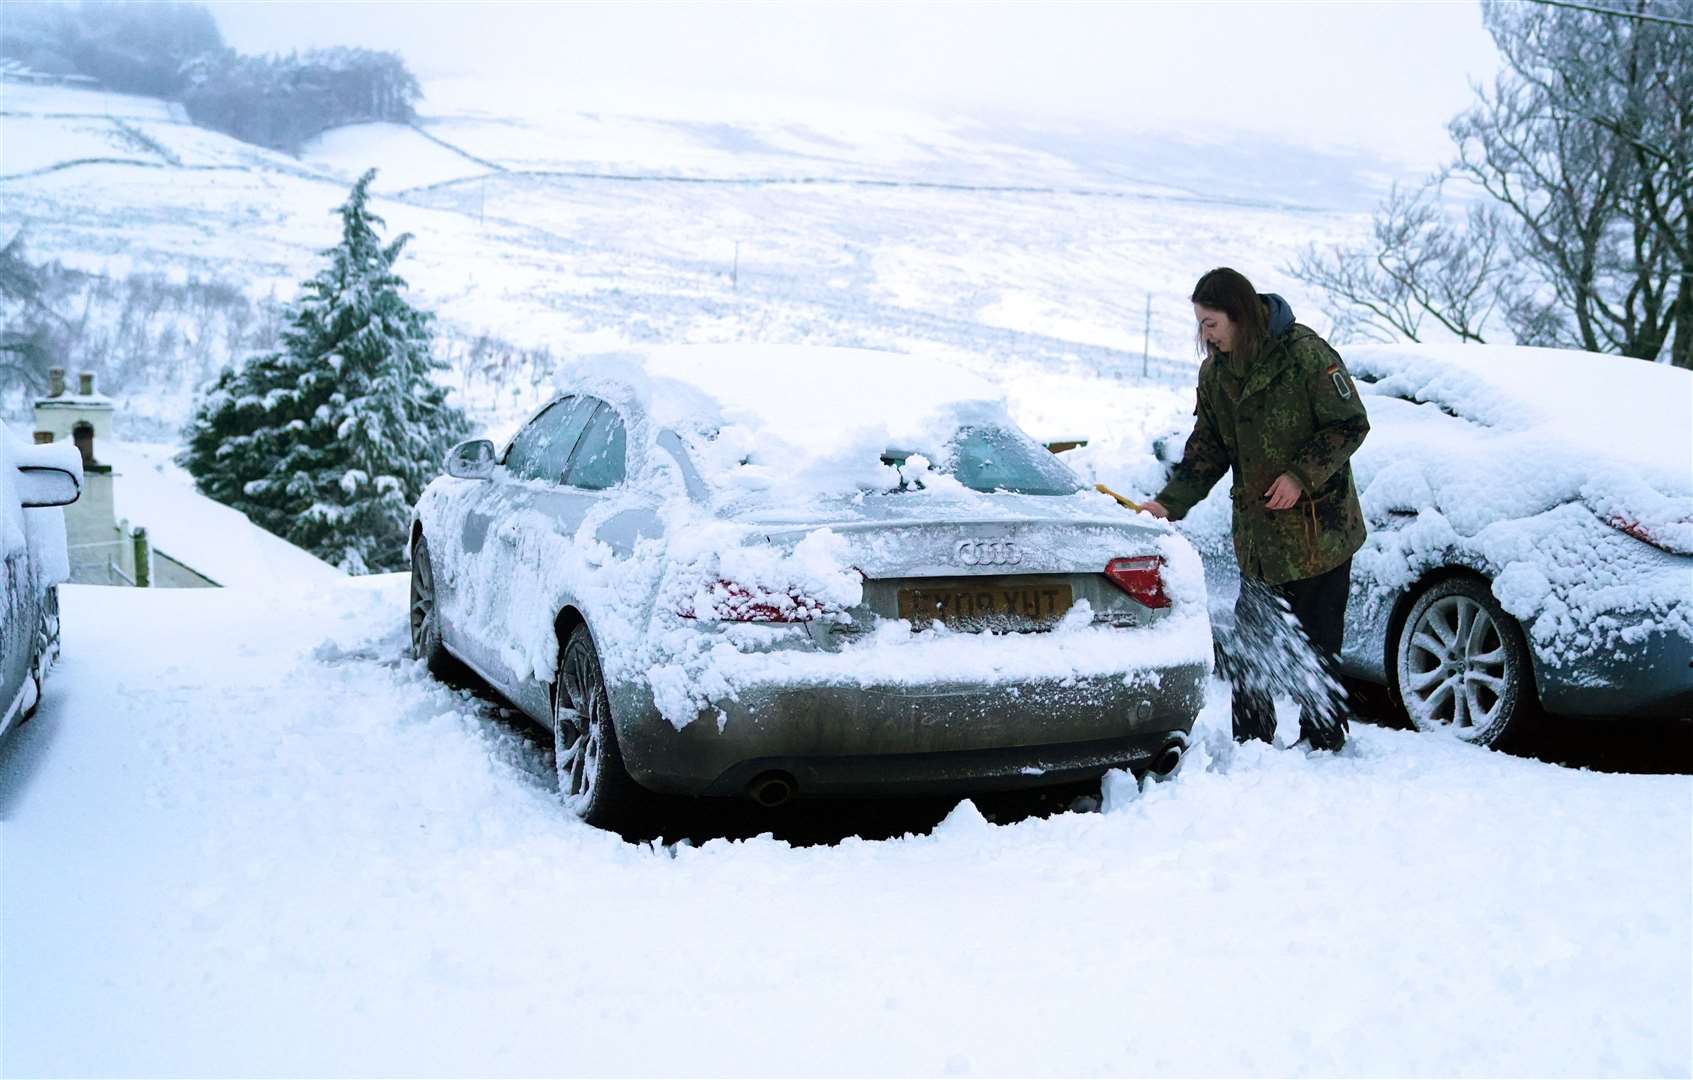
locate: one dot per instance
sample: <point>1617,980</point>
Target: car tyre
<point>592,780</point>
<point>46,649</point>
<point>426,642</point>
<point>1461,665</point>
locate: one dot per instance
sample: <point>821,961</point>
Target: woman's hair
<point>1229,292</point>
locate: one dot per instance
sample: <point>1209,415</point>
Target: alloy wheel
<point>581,713</point>
<point>422,603</point>
<point>1457,668</point>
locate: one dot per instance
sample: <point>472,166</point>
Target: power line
<point>1641,16</point>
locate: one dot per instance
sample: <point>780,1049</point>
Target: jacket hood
<point>1281,315</point>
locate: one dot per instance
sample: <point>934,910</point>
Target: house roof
<point>75,401</point>
<point>215,540</point>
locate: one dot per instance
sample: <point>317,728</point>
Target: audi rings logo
<point>988,553</point>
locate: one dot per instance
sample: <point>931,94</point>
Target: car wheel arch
<point>568,619</point>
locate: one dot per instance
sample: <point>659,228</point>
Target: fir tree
<point>329,440</point>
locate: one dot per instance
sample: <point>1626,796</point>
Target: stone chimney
<point>83,436</point>
<point>100,553</point>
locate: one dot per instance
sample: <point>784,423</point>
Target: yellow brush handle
<point>1125,500</point>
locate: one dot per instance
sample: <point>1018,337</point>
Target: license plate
<point>987,603</point>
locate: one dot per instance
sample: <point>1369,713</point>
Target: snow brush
<point>1124,499</point>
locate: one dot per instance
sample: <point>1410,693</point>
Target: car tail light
<point>1675,546</point>
<point>1142,577</point>
<point>733,602</point>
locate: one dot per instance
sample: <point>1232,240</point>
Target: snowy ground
<point>239,847</point>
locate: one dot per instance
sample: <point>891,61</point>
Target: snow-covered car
<point>1530,518</point>
<point>34,482</point>
<point>777,571</point>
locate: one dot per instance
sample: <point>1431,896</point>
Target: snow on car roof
<point>800,392</point>
<point>1553,426</point>
<point>766,416</point>
<point>1616,406</point>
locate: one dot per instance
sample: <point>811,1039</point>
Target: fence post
<point>143,558</point>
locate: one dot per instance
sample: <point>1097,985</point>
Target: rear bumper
<point>929,738</point>
<point>1653,678</point>
<point>954,771</point>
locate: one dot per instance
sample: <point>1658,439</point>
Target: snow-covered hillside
<point>1028,253</point>
<point>236,846</point>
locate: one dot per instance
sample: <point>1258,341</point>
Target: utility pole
<point>1146,337</point>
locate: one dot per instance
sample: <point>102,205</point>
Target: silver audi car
<point>778,572</point>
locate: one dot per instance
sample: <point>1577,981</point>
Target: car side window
<point>599,461</point>
<point>541,449</point>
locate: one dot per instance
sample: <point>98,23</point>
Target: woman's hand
<point>1284,492</point>
<point>1156,509</point>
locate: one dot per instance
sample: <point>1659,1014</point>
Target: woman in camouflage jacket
<point>1276,406</point>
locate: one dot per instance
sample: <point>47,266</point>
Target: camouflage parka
<point>1295,410</point>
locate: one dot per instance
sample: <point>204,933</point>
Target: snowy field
<point>1017,251</point>
<point>239,847</point>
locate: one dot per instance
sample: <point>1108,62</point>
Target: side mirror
<point>43,485</point>
<point>473,460</point>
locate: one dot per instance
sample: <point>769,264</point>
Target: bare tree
<point>1584,147</point>
<point>1585,140</point>
<point>28,325</point>
<point>1419,264</point>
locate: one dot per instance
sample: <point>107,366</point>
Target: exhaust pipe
<point>771,789</point>
<point>1167,760</point>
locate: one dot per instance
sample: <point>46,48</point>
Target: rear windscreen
<point>982,457</point>
<point>1005,459</point>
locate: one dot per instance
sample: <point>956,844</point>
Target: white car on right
<point>1530,516</point>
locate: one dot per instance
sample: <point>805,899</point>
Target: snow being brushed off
<point>235,847</point>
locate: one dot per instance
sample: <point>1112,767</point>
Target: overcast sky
<point>1380,76</point>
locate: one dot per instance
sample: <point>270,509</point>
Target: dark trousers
<point>1296,655</point>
